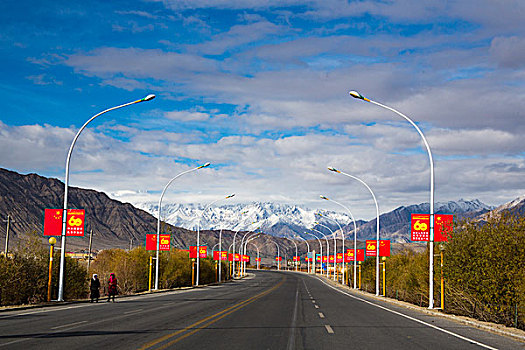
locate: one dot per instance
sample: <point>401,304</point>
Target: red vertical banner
<point>230,257</point>
<point>223,256</point>
<point>216,255</point>
<point>246,258</point>
<point>318,257</point>
<point>237,257</point>
<point>75,222</point>
<point>203,251</point>
<point>339,258</point>
<point>371,247</point>
<point>384,248</point>
<point>151,241</point>
<point>420,227</point>
<point>165,239</point>
<point>278,258</point>
<point>296,258</point>
<point>349,256</point>
<point>331,259</point>
<point>325,258</point>
<point>360,255</point>
<point>52,222</point>
<point>443,225</point>
<point>193,252</point>
<point>258,259</point>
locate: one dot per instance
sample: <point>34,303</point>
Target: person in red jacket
<point>112,287</point>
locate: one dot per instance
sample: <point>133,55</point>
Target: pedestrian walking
<point>94,288</point>
<point>112,287</point>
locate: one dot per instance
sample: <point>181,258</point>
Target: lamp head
<point>331,168</point>
<point>323,197</point>
<point>230,196</point>
<point>204,165</point>
<point>148,98</point>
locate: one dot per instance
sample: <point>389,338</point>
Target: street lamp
<point>296,250</point>
<point>327,252</point>
<point>198,234</point>
<point>278,256</point>
<point>335,244</point>
<point>257,260</point>
<point>355,236</point>
<point>242,271</point>
<point>377,222</point>
<point>308,248</point>
<point>357,95</point>
<point>159,216</point>
<point>66,185</point>
<point>320,248</point>
<point>249,240</point>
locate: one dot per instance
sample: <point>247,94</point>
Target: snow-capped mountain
<point>277,219</point>
<point>290,220</point>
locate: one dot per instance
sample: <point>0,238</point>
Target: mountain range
<point>119,225</point>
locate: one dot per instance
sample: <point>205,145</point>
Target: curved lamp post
<point>66,185</point>
<point>308,248</point>
<point>198,234</point>
<point>357,95</point>
<point>377,222</point>
<point>335,244</point>
<point>278,262</point>
<point>355,237</point>
<point>233,263</point>
<point>320,248</point>
<point>159,215</point>
<point>327,252</point>
<point>342,234</point>
<point>296,250</point>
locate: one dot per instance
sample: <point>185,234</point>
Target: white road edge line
<point>132,311</point>
<point>329,329</point>
<point>69,325</point>
<point>411,318</point>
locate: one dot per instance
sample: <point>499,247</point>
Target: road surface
<point>268,310</point>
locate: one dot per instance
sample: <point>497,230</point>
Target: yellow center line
<point>219,315</point>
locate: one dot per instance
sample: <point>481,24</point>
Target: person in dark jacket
<point>112,287</point>
<point>94,288</point>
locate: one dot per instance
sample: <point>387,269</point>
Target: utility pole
<point>89,249</point>
<point>9,221</point>
<point>130,243</point>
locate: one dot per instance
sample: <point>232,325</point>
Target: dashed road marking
<point>316,306</point>
<point>321,315</point>
<point>69,325</point>
<point>329,329</point>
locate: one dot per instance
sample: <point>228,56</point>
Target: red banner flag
<point>278,258</point>
<point>296,258</point>
<point>75,222</point>
<point>237,257</point>
<point>325,258</point>
<point>246,258</point>
<point>193,252</point>
<point>420,227</point>
<point>384,248</point>
<point>257,259</point>
<point>151,241</point>
<point>230,257</point>
<point>443,225</point>
<point>52,222</point>
<point>371,247</point>
<point>203,251</point>
<point>349,256</point>
<point>223,255</point>
<point>339,258</point>
<point>216,255</point>
<point>318,257</point>
<point>331,259</point>
<point>360,256</point>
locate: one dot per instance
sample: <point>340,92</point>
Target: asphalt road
<point>268,310</point>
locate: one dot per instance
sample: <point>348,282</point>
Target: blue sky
<point>260,89</point>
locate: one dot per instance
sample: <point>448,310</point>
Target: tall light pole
<point>355,236</point>
<point>296,250</point>
<point>342,234</point>
<point>198,234</point>
<point>377,222</point>
<point>159,218</point>
<point>327,251</point>
<point>320,248</point>
<point>357,95</point>
<point>257,261</point>
<point>248,240</point>
<point>335,244</point>
<point>278,256</point>
<point>66,185</point>
<point>308,248</point>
